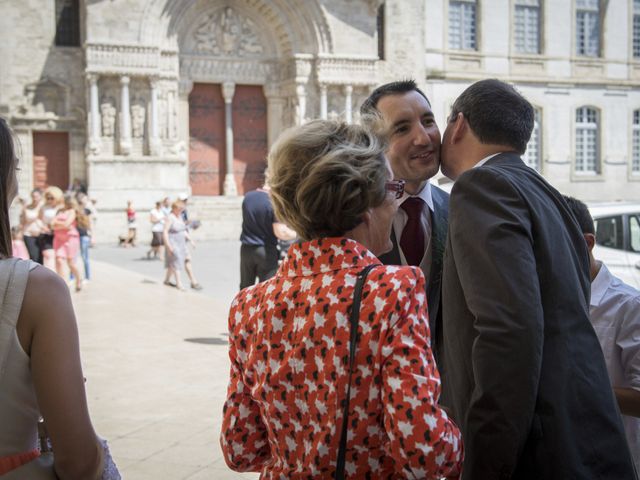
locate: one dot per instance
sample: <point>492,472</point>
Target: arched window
<point>533,155</point>
<point>587,141</point>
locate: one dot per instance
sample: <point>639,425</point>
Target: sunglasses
<point>396,187</point>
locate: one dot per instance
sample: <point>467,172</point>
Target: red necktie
<point>412,239</point>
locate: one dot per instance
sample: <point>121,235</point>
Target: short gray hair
<point>324,175</point>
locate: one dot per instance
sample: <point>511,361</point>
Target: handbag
<point>353,340</point>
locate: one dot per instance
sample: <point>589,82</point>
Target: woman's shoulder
<point>399,274</point>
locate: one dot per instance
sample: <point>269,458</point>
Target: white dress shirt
<point>615,316</point>
<point>401,218</point>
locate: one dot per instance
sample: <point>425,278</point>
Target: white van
<point>618,239</point>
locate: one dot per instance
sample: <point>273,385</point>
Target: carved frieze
<point>220,70</point>
<point>226,33</point>
<point>347,70</point>
<point>113,59</point>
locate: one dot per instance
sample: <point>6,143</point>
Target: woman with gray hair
<point>296,370</point>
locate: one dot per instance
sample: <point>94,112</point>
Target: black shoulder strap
<point>353,341</point>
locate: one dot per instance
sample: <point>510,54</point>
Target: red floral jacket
<point>289,348</point>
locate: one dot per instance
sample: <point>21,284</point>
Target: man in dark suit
<point>526,377</point>
<point>420,225</point>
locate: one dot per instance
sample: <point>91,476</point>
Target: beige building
<point>143,99</point>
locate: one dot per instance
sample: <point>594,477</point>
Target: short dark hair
<point>370,105</point>
<point>581,212</point>
<point>497,113</point>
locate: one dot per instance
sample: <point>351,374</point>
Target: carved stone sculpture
<point>226,33</point>
<point>137,118</point>
<point>108,113</point>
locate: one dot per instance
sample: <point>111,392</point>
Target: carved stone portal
<point>226,33</point>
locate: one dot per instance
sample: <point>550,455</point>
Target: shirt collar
<point>485,160</point>
<point>325,255</point>
<point>600,284</point>
<point>424,194</point>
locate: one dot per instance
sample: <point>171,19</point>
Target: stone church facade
<point>143,99</point>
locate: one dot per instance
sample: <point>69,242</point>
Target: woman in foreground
<point>289,336</point>
<point>40,371</point>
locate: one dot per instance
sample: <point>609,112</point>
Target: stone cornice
<point>134,60</point>
<point>347,70</point>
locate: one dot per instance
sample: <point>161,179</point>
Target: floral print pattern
<point>289,350</point>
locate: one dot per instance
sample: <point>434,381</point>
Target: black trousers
<point>33,247</point>
<point>257,261</point>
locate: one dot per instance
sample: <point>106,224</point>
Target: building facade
<point>143,99</point>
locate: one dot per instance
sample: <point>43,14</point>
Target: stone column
<point>348,109</point>
<point>301,107</point>
<point>171,114</point>
<point>95,140</point>
<point>275,111</point>
<point>154,142</point>
<point>125,116</point>
<point>323,101</point>
<point>228,89</point>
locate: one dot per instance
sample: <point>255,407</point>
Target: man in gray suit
<point>526,378</point>
<point>420,225</point>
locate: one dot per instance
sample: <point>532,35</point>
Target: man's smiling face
<point>414,141</point>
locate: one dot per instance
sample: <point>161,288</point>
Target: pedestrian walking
<point>176,237</point>
<point>66,239</point>
<point>31,224</point>
<point>53,200</point>
<point>157,218</point>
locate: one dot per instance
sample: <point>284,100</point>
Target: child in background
<point>17,244</point>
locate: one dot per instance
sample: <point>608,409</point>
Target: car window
<point>634,231</point>
<point>609,232</point>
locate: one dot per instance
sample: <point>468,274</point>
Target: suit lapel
<point>438,238</point>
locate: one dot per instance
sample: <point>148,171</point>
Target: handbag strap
<point>14,274</point>
<point>353,339</point>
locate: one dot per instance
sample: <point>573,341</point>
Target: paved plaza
<point>156,361</point>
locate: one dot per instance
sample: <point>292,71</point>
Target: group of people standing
<point>55,227</point>
<point>397,292</point>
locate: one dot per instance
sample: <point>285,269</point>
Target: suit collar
<point>424,194</point>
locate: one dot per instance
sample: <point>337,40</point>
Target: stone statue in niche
<point>226,33</point>
<point>137,117</point>
<point>108,114</point>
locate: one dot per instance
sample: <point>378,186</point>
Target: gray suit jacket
<point>526,378</point>
<point>434,283</point>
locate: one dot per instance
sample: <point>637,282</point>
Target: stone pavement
<point>156,365</point>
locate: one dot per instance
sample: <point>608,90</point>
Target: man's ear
<point>590,238</point>
<point>460,127</point>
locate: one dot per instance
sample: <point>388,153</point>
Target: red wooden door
<point>249,137</point>
<point>206,139</point>
<point>51,159</point>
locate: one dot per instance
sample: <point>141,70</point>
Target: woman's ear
<point>366,217</point>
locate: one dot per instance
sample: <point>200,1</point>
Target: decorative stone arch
<point>297,28</point>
